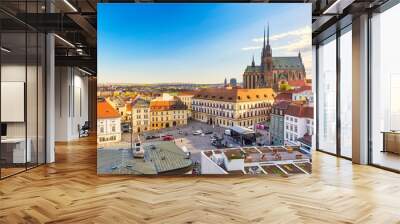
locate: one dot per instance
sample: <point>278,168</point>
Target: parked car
<point>198,132</point>
<point>168,138</point>
<point>147,137</point>
<point>208,132</point>
<point>217,144</point>
<point>229,145</point>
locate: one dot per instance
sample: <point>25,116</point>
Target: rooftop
<point>281,105</point>
<point>163,105</point>
<point>241,130</point>
<point>234,154</point>
<point>186,93</point>
<point>140,103</point>
<point>301,88</point>
<point>105,110</point>
<point>287,96</point>
<point>287,63</point>
<point>166,156</point>
<point>298,83</point>
<point>291,63</point>
<point>236,94</point>
<point>298,110</point>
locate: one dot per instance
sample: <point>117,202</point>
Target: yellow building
<point>167,113</point>
<point>140,109</point>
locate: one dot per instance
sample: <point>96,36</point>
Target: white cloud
<point>300,40</point>
<point>301,44</point>
<point>293,33</point>
<point>250,48</point>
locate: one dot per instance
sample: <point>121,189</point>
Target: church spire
<point>267,35</point>
<point>264,38</point>
<point>252,62</point>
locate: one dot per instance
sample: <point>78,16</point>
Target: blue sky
<point>195,43</point>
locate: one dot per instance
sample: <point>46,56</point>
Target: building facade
<point>233,106</point>
<point>166,112</point>
<point>299,121</point>
<point>277,123</point>
<point>186,98</point>
<point>273,70</point>
<point>140,110</point>
<point>108,123</point>
<point>303,94</point>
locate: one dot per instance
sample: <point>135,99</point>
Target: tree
<point>285,87</point>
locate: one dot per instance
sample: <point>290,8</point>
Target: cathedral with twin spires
<point>273,70</point>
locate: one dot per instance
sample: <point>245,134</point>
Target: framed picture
<point>204,89</point>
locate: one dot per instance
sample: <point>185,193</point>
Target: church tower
<point>266,61</point>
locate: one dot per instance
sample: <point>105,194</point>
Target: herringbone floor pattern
<point>69,191</point>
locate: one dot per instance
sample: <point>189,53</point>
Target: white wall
<point>33,126</point>
<point>210,167</point>
<point>71,103</point>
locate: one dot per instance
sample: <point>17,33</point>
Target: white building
<point>108,123</point>
<point>303,94</point>
<point>233,159</point>
<point>298,121</point>
<point>233,106</point>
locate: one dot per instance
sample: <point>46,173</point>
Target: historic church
<point>273,70</point>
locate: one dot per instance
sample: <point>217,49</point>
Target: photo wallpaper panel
<point>204,89</point>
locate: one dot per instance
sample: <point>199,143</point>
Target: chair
<point>84,130</point>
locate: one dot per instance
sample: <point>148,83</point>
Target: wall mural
<point>200,89</point>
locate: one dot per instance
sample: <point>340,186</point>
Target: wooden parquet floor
<point>69,191</point>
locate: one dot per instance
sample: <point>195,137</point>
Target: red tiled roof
<point>187,93</point>
<point>301,89</point>
<point>163,105</point>
<point>105,110</point>
<point>297,83</point>
<point>282,105</point>
<point>160,105</point>
<point>236,94</point>
<point>298,110</point>
<point>286,96</point>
